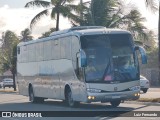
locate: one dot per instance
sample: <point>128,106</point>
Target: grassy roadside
<point>149,100</point>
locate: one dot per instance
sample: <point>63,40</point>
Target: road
<point>152,93</point>
<point>15,102</point>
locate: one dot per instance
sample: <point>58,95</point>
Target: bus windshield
<point>110,58</point>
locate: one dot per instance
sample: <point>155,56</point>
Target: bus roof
<point>79,31</point>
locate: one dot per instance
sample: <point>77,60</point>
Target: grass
<point>149,100</point>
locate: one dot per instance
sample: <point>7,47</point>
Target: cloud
<point>17,19</point>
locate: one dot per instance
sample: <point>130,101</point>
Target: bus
<point>81,64</point>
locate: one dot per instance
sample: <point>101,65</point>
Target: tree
<point>153,7</point>
<point>59,7</point>
<point>111,14</point>
<point>26,35</point>
<point>46,34</point>
<point>151,4</point>
<point>99,12</point>
<point>133,23</point>
<point>8,54</point>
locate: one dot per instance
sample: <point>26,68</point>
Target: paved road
<point>15,102</point>
<point>151,93</point>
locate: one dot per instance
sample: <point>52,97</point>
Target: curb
<point>143,103</point>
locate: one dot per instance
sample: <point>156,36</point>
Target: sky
<point>14,17</point>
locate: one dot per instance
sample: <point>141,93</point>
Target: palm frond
<point>69,1</point>
<point>152,5</point>
<point>53,13</point>
<point>65,11</point>
<point>38,3</point>
<point>38,16</point>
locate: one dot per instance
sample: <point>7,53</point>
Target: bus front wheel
<point>34,99</point>
<point>70,100</point>
<point>115,103</point>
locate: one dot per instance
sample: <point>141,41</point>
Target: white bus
<point>81,64</point>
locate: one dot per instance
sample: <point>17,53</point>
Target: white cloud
<point>18,19</point>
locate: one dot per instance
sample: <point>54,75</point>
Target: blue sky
<point>13,16</point>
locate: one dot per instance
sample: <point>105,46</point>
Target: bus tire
<point>70,101</point>
<point>115,103</point>
<point>34,99</point>
<point>145,90</point>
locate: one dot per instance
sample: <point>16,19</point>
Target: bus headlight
<point>91,90</point>
<point>135,88</point>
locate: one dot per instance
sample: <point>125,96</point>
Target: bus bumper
<point>107,97</point>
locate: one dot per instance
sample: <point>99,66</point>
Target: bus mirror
<point>143,54</point>
<point>82,61</point>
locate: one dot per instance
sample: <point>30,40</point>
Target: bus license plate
<point>116,96</point>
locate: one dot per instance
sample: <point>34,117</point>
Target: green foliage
<point>112,14</point>
<point>58,7</point>
<point>99,13</point>
<point>46,34</point>
<point>102,10</point>
<point>8,51</point>
<point>152,57</point>
<point>26,35</point>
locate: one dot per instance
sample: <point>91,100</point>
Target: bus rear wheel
<point>115,103</point>
<point>70,101</point>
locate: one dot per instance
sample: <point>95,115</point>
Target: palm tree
<point>58,7</point>
<point>111,14</point>
<point>152,5</point>
<point>26,35</point>
<point>46,34</point>
<point>133,23</point>
<point>9,52</point>
<point>98,12</point>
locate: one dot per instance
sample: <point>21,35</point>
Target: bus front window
<point>109,58</point>
<point>97,49</point>
<point>123,57</point>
